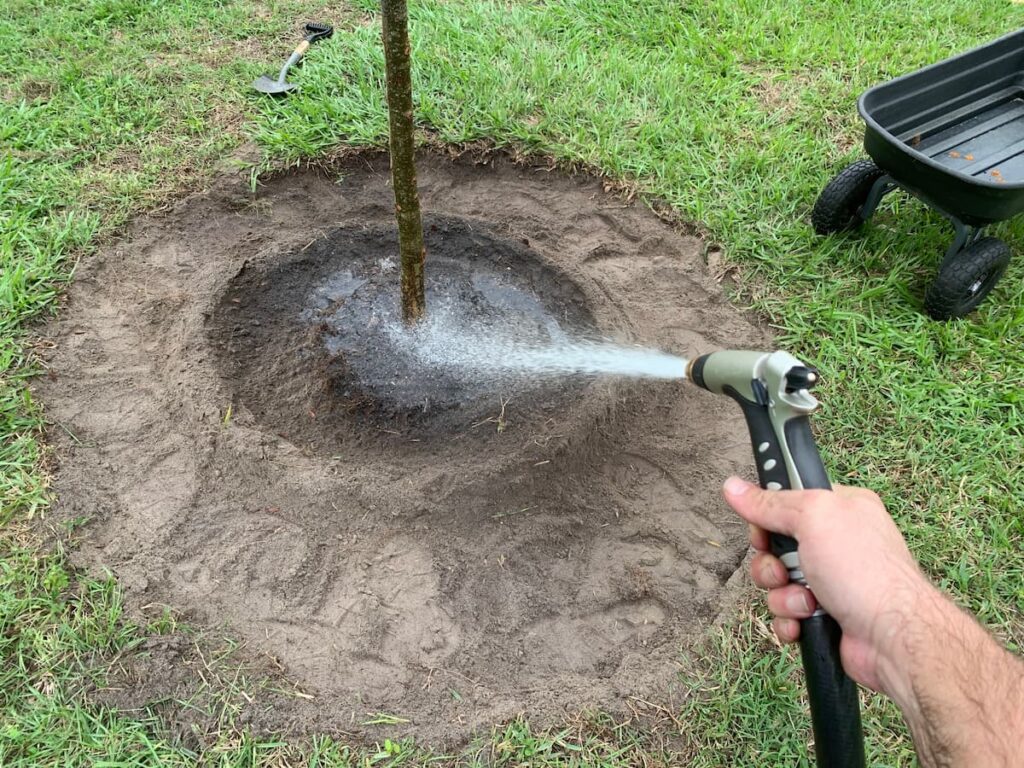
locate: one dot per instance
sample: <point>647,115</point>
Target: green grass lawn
<point>733,112</point>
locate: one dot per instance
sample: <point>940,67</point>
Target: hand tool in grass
<point>314,33</point>
<point>772,390</point>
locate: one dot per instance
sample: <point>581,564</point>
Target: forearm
<point>960,692</point>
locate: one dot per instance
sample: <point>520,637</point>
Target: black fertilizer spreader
<point>952,135</point>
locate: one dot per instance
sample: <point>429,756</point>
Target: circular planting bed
<point>254,447</point>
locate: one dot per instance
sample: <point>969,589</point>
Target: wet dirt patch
<point>526,548</point>
<point>315,346</point>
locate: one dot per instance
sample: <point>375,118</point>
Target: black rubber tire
<point>839,204</point>
<point>964,282</point>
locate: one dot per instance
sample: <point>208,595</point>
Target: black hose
<point>835,704</point>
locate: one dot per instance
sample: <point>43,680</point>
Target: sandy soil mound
<point>454,564</point>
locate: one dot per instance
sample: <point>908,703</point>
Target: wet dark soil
<point>320,331</point>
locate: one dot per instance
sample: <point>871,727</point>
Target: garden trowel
<point>267,84</point>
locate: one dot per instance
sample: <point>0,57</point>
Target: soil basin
<point>451,551</point>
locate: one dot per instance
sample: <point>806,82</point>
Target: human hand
<point>856,564</point>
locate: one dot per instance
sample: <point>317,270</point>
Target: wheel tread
<point>948,296</point>
<point>836,207</point>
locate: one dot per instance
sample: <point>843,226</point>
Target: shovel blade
<point>267,84</point>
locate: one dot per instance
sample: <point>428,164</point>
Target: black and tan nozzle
<point>314,33</point>
<point>773,391</point>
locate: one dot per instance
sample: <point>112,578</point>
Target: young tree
<point>395,23</point>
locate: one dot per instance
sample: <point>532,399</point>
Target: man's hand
<point>961,694</point>
<point>855,561</point>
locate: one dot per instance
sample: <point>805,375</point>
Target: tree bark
<point>395,23</point>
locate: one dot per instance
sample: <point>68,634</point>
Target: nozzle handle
<point>835,704</point>
<point>834,701</point>
<point>775,408</point>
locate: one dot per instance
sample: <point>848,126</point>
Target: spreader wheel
<point>966,279</point>
<point>840,202</point>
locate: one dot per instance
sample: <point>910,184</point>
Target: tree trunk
<point>395,22</point>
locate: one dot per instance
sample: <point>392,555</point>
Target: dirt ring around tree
<point>505,548</point>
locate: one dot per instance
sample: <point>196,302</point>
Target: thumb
<point>775,511</point>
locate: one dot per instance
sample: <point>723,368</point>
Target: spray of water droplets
<point>517,346</point>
